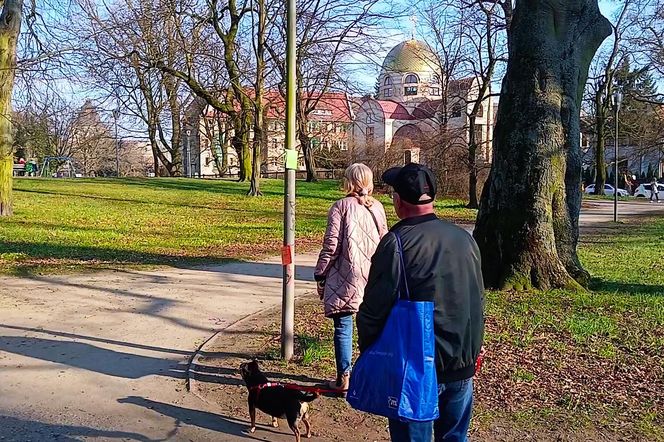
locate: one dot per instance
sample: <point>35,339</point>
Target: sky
<point>403,30</point>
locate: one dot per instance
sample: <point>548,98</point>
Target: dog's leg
<point>295,430</point>
<point>307,425</point>
<point>252,415</point>
<point>275,422</point>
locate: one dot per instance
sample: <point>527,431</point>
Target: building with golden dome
<point>409,113</point>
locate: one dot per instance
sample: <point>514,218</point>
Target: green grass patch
<point>314,350</point>
<point>95,223</point>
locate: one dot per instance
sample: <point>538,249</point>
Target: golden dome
<point>410,56</point>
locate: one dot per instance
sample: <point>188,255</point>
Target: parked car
<point>644,191</point>
<point>608,190</point>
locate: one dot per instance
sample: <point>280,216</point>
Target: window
<point>435,91</point>
<point>388,81</point>
<point>407,157</point>
<point>480,111</point>
<point>370,135</point>
<point>321,112</point>
<point>411,79</point>
<point>368,119</point>
<point>275,144</point>
<point>456,110</point>
<point>343,146</point>
<point>388,92</point>
<point>435,79</point>
<point>410,90</point>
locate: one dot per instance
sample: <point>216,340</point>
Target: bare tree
<point>487,46</point>
<point>10,27</point>
<point>115,37</point>
<point>470,45</point>
<point>601,88</point>
<point>329,33</point>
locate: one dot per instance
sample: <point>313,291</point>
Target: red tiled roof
<point>426,109</point>
<point>331,106</point>
<point>394,110</point>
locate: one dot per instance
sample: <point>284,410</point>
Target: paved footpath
<point>103,356</point>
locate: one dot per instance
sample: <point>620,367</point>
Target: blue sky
<point>402,30</point>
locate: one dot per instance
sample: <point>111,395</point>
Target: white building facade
<point>409,113</point>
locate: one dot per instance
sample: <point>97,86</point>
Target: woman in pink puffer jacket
<point>355,226</point>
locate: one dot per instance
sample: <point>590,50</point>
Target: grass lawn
<point>96,223</point>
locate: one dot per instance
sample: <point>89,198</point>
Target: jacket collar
<point>414,220</point>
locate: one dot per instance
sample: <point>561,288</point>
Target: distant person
<point>442,264</point>
<point>654,191</point>
<point>355,225</point>
<point>628,184</point>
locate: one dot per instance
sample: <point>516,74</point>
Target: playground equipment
<point>64,167</point>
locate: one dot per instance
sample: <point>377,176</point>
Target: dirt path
<point>103,356</point>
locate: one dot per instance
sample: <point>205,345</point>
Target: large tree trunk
<point>10,27</point>
<point>241,126</point>
<point>303,135</point>
<point>527,226</point>
<point>305,146</point>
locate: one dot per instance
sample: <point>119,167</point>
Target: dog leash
<point>305,388</point>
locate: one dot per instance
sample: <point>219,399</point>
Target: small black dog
<point>277,401</point>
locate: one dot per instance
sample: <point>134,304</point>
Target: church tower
<point>410,74</point>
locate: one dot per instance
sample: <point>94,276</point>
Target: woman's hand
<point>320,288</point>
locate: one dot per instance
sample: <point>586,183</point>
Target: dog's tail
<point>307,396</point>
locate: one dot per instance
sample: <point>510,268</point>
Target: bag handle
<point>375,220</point>
<point>403,282</point>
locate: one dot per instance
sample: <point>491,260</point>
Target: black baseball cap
<point>415,183</point>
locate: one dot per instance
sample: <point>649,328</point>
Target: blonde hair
<point>358,182</point>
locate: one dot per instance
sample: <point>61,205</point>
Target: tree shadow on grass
<point>602,285</point>
<point>101,257</point>
<point>306,190</point>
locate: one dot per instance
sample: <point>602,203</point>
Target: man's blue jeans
<point>455,401</point>
<point>343,342</point>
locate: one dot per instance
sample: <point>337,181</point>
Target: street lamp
<point>116,114</point>
<point>188,132</point>
<point>616,100</point>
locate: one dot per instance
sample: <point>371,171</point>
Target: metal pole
<point>188,156</point>
<point>288,255</point>
<point>615,151</point>
<point>117,148</point>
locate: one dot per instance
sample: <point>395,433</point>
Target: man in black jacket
<point>442,265</point>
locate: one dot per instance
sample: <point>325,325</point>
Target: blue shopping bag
<point>396,376</point>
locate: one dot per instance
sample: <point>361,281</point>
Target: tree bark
<point>10,27</point>
<point>527,226</point>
